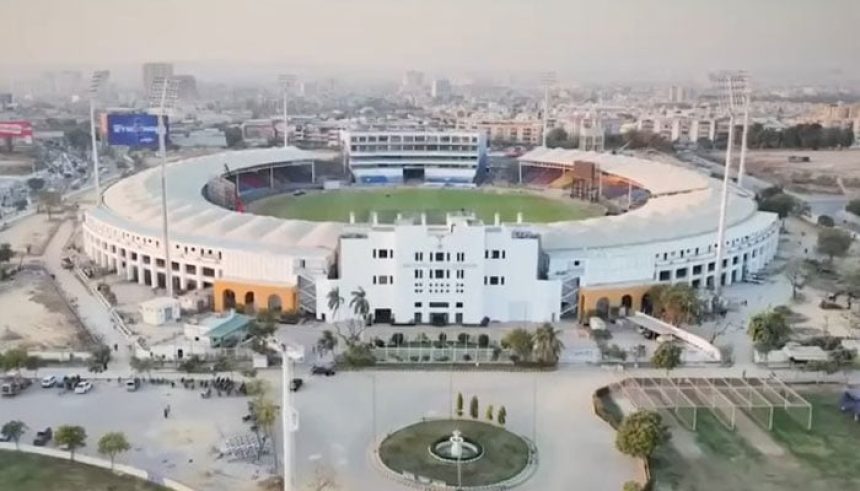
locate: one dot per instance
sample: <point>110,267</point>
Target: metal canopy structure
<point>724,397</point>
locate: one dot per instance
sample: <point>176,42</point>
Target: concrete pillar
<point>140,270</point>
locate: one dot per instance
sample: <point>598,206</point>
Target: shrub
<point>640,434</point>
<point>826,221</point>
<point>397,339</point>
<point>358,355</point>
<point>502,416</point>
<point>827,343</point>
<point>473,407</point>
<point>489,413</point>
<point>632,486</point>
<point>467,357</point>
<point>459,404</point>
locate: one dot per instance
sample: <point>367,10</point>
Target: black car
<point>321,370</point>
<point>43,437</point>
<point>296,384</point>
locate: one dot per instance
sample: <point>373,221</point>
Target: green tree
<point>473,407</point>
<point>502,416</point>
<point>266,415</point>
<point>327,342</point>
<point>35,184</point>
<point>640,434</point>
<point>853,206</point>
<point>489,413</point>
<point>547,345</point>
<point>48,200</point>
<point>667,356</point>
<point>797,273</point>
<point>100,356</point>
<point>233,135</point>
<point>459,408</point>
<point>113,444</point>
<point>14,430</point>
<point>335,301</point>
<point>826,221</point>
<point>558,137</point>
<point>14,359</point>
<point>676,304</point>
<point>6,252</point>
<point>521,342</point>
<point>71,437</point>
<point>769,331</point>
<point>632,486</point>
<point>359,304</point>
<point>142,365</point>
<point>223,363</point>
<point>833,242</point>
<point>782,204</point>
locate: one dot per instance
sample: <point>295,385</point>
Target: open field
<point>820,175</point>
<point>36,317</point>
<point>336,205</point>
<point>27,472</point>
<point>787,459</point>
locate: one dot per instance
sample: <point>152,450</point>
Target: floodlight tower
<point>548,79</point>
<point>165,92</point>
<point>286,82</point>
<point>731,88</point>
<point>745,95</point>
<point>98,81</point>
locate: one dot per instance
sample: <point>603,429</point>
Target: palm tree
<point>359,304</point>
<point>547,345</point>
<point>334,301</point>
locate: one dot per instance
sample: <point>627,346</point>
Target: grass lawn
<point>27,472</point>
<point>505,454</point>
<point>336,205</point>
<point>833,445</point>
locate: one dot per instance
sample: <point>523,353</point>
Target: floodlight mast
<point>166,91</point>
<point>548,79</point>
<point>732,86</point>
<point>285,82</point>
<point>96,84</point>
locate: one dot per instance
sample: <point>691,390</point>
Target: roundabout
<point>457,453</point>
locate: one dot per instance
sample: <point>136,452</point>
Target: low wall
<point>97,462</point>
<point>61,356</point>
<point>600,410</point>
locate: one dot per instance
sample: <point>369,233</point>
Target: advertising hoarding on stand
<point>135,130</point>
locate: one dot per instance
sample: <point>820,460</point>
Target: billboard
<point>16,129</point>
<point>136,130</point>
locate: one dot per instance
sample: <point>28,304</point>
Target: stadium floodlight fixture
<point>285,81</point>
<point>164,94</point>
<point>548,80</point>
<point>97,83</point>
<point>733,90</point>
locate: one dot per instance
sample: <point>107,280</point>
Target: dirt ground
<point>34,232</point>
<point>16,164</point>
<point>827,172</point>
<point>35,316</point>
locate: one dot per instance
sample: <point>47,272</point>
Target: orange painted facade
<point>253,296</point>
<point>613,297</point>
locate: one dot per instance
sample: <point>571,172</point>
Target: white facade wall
<point>750,245</point>
<point>463,271</point>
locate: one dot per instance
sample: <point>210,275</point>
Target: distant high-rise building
<point>153,71</point>
<point>678,94</point>
<point>441,88</point>
<point>187,85</point>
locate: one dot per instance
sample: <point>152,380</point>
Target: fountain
<point>456,448</point>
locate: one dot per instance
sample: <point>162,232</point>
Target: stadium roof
<point>683,203</point>
<point>135,203</point>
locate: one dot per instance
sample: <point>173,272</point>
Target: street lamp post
<point>289,416</point>
<point>96,84</point>
<point>165,92</point>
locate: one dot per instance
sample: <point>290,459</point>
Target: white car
<point>83,387</point>
<point>49,381</point>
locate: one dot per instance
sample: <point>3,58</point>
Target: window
<point>459,305</point>
<point>496,254</point>
<point>494,280</point>
<point>419,256</point>
<point>417,305</point>
<point>735,260</point>
<point>440,256</point>
<point>419,273</point>
<point>381,254</point>
<point>665,275</point>
<point>711,266</point>
<point>681,273</point>
<point>438,274</point>
<point>438,305</point>
<point>208,272</point>
<point>461,274</point>
<point>697,269</point>
<point>461,256</point>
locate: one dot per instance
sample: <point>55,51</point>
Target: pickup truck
<point>43,437</point>
<point>12,386</point>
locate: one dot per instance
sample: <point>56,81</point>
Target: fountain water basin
<point>456,448</point>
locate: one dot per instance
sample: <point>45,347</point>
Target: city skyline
<point>623,40</point>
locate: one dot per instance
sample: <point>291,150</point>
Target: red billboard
<point>16,129</point>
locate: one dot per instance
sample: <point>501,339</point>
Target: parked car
<point>83,387</point>
<point>43,437</point>
<point>296,384</point>
<point>322,370</point>
<point>132,384</point>
<point>48,381</point>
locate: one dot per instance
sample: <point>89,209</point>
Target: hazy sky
<point>623,37</point>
